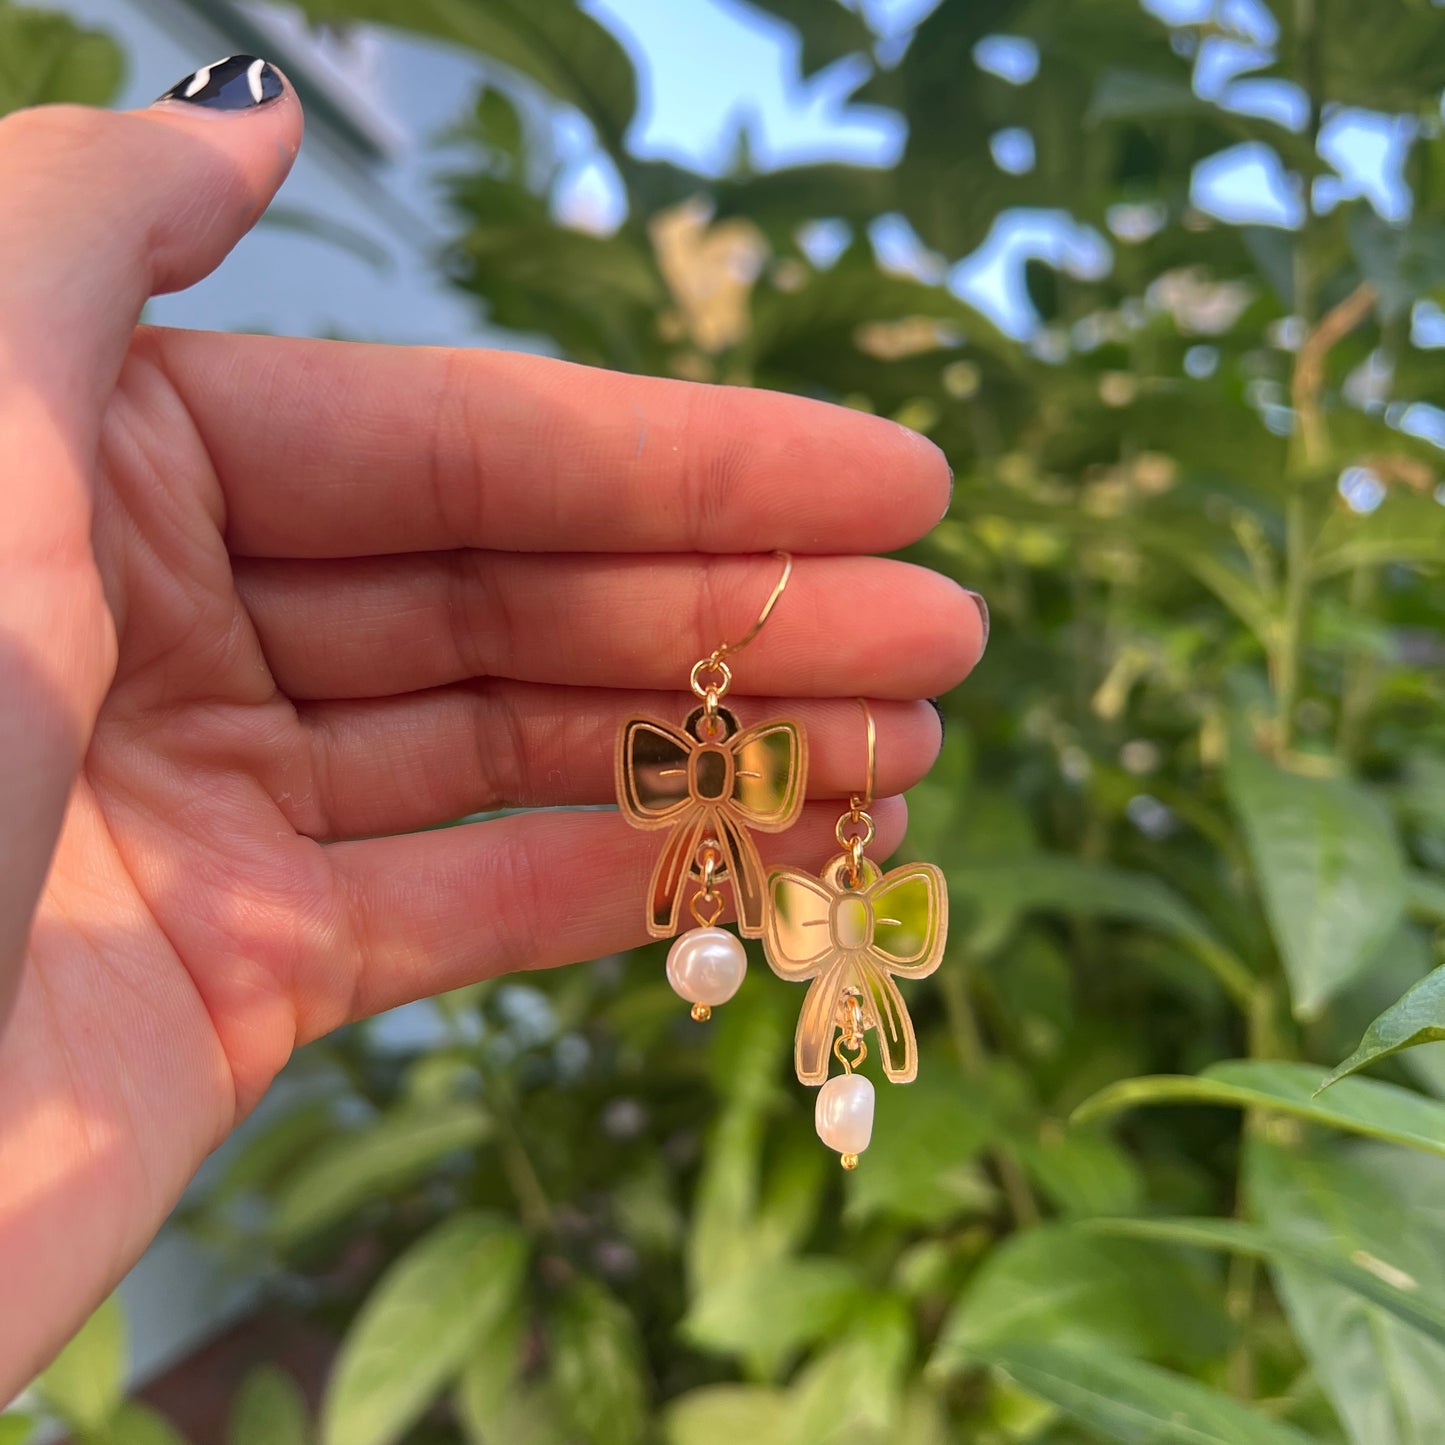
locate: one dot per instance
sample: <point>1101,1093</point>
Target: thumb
<point>103,210</point>
<point>98,211</point>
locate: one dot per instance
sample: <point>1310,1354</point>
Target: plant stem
<point>533,1205</point>
<point>1360,671</point>
<point>1292,625</point>
<point>973,1057</point>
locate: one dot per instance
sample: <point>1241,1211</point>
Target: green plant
<point>1192,809</point>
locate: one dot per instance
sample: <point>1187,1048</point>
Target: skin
<point>263,600</point>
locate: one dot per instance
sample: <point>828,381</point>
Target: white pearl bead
<point>706,965</point>
<point>844,1113</point>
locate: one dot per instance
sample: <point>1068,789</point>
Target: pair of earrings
<point>848,932</point>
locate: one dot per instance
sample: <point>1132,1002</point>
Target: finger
<point>395,764</point>
<point>376,626</point>
<point>103,211</point>
<point>433,911</point>
<point>369,449</point>
<point>100,211</point>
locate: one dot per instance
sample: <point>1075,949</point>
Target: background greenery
<point>1192,810</point>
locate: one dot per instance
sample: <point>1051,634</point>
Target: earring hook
<point>715,665</point>
<point>855,827</point>
<point>861,802</point>
<point>727,648</point>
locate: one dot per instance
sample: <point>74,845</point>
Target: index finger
<point>340,449</point>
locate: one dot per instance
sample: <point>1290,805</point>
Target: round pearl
<point>706,965</point>
<point>844,1113</point>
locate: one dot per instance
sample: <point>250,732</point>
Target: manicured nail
<point>239,82</point>
<point>983,613</point>
<point>937,706</point>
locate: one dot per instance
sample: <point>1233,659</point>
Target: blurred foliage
<point>1192,809</point>
<point>45,58</point>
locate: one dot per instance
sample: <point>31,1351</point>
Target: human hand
<point>264,600</point>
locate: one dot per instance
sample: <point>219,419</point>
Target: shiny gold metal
<point>849,1161</point>
<point>706,909</point>
<point>715,788</point>
<point>854,830</point>
<point>857,803</point>
<point>844,935</point>
<point>709,782</point>
<point>840,1043</point>
<point>702,1012</point>
<point>728,648</point>
<point>852,931</point>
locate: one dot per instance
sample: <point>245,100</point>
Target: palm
<point>188,905</point>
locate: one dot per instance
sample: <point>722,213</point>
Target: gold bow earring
<point>708,783</point>
<point>852,931</point>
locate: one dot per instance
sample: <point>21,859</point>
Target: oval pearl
<point>844,1113</point>
<point>706,965</point>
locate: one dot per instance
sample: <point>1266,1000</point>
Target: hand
<point>264,600</point>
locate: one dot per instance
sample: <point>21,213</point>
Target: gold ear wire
<point>858,803</point>
<point>855,828</point>
<point>727,648</point>
<point>715,664</point>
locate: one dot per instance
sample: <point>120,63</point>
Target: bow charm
<point>709,785</point>
<point>852,933</point>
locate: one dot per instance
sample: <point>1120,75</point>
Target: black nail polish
<point>239,82</point>
<point>937,706</point>
<point>983,613</point>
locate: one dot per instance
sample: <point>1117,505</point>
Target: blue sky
<point>709,66</point>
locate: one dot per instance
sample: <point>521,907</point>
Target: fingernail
<point>983,613</point>
<point>239,82</point>
<point>937,706</point>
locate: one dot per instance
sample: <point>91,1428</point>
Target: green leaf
<point>1070,885</point>
<point>1416,1018</point>
<point>768,1312</point>
<point>921,1162</point>
<point>1131,1403</point>
<point>1381,1209</point>
<point>494,1404</point>
<point>136,1424</point>
<point>418,1326</point>
<point>854,1388</point>
<point>724,1242</point>
<point>1381,1284</point>
<point>755,1414</point>
<point>553,42</point>
<point>1330,869</point>
<point>1082,1172</point>
<point>86,1383</point>
<point>1128,95</point>
<point>269,1410</point>
<point>1060,1285</point>
<point>266,1148</point>
<point>597,1367</point>
<point>1425,896</point>
<point>1359,1106</point>
<point>827,31</point>
<point>16,1429</point>
<point>1403,262</point>
<point>47,58</point>
<point>1407,527</point>
<point>356,1168</point>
